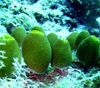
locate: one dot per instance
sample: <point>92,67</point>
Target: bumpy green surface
<point>19,34</point>
<point>62,55</point>
<point>11,49</point>
<point>82,35</point>
<point>52,37</point>
<point>72,38</point>
<point>88,51</point>
<point>36,51</point>
<point>38,28</point>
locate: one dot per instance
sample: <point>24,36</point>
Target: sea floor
<point>74,76</point>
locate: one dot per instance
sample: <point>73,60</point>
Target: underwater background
<point>49,43</point>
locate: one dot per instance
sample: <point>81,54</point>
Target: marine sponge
<point>52,37</point>
<point>36,51</point>
<point>72,38</point>
<point>88,51</point>
<point>19,34</point>
<point>9,50</point>
<point>62,55</point>
<point>81,36</point>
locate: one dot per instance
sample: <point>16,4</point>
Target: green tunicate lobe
<point>62,55</point>
<point>38,28</point>
<point>19,34</point>
<point>52,37</point>
<point>88,51</point>
<point>72,38</point>
<point>81,36</point>
<point>36,51</point>
<point>8,45</point>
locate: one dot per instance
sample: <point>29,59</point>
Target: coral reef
<point>61,17</point>
<point>86,12</point>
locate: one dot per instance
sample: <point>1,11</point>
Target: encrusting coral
<point>9,50</point>
<point>36,51</point>
<point>61,54</point>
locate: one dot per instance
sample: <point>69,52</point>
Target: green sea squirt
<point>81,36</point>
<point>9,50</point>
<point>61,55</point>
<point>89,50</point>
<point>36,51</point>
<point>19,34</point>
<point>52,37</point>
<point>72,38</point>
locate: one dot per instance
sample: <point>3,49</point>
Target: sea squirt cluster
<point>39,51</point>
